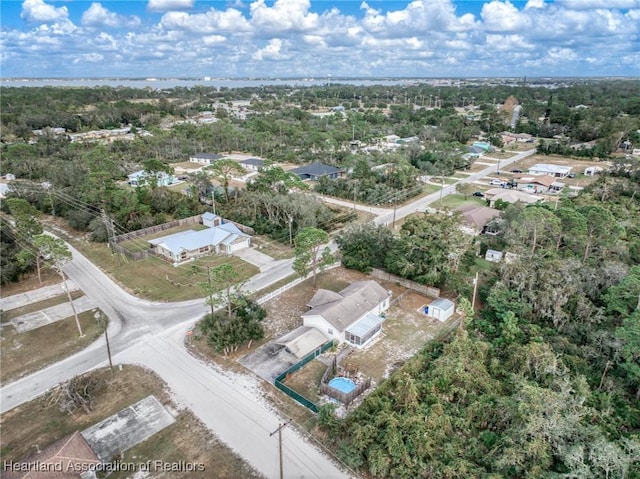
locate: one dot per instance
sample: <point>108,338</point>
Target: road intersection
<point>152,334</point>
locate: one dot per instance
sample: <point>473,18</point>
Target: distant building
<point>556,171</point>
<point>493,256</point>
<point>205,158</point>
<point>252,164</point>
<point>315,171</point>
<point>143,178</point>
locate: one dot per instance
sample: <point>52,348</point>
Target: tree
<point>56,252</point>
<point>274,178</point>
<point>364,246</point>
<point>465,189</point>
<point>308,253</point>
<point>221,286</point>
<point>154,168</point>
<point>223,171</point>
<point>27,227</point>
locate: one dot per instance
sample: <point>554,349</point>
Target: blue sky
<point>303,38</point>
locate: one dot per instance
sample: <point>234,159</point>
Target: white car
<point>498,183</point>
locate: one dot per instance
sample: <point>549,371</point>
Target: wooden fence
<point>420,288</point>
<point>346,398</point>
<point>192,220</point>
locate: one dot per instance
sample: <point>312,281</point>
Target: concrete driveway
<point>256,258</point>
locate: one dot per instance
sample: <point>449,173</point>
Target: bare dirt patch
<point>40,423</point>
<point>24,353</point>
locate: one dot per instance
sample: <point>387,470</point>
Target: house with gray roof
<point>220,238</point>
<point>252,164</point>
<point>205,158</point>
<point>352,316</point>
<point>557,171</point>
<point>315,171</point>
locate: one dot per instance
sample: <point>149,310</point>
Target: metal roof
<point>192,240</point>
<point>442,303</point>
<point>365,325</point>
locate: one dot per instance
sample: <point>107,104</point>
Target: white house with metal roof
<point>352,316</point>
<point>550,169</point>
<point>219,238</point>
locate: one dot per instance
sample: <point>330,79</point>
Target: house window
<point>183,255</point>
<point>204,249</point>
<point>330,331</point>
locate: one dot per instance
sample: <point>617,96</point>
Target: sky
<point>319,38</point>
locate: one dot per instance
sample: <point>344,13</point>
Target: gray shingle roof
<point>316,169</point>
<point>355,301</point>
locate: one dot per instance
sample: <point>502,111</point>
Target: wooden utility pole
<point>279,431</point>
<point>475,290</point>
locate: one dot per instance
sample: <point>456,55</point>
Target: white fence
<point>291,284</point>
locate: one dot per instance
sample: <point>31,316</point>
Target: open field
<point>40,423</point>
<point>157,280</point>
<point>27,352</point>
<point>578,166</point>
<point>453,201</point>
<point>271,247</point>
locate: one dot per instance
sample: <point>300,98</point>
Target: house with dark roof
<point>252,164</point>
<point>205,158</point>
<point>315,171</point>
<point>69,458</point>
<point>352,316</point>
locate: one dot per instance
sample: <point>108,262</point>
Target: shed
<point>211,220</point>
<point>493,255</point>
<point>441,309</point>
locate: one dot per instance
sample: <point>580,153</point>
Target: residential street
<point>152,334</point>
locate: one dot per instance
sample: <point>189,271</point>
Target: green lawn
<point>154,279</point>
<point>453,201</point>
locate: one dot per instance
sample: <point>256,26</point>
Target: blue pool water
<point>344,385</point>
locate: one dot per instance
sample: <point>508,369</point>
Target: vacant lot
<point>25,353</point>
<point>577,165</point>
<point>453,201</point>
<point>41,423</point>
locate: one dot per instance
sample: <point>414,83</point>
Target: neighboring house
<point>205,158</point>
<point>593,170</point>
<point>534,184</point>
<point>252,164</point>
<point>64,459</point>
<point>352,316</point>
<point>493,256</point>
<point>315,171</point>
<point>221,238</point>
<point>441,309</point>
<point>482,145</point>
<point>142,178</point>
<point>510,196</point>
<point>556,171</point>
<point>476,217</point>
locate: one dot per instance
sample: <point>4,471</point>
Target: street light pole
<point>279,431</point>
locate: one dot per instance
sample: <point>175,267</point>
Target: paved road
<point>151,334</point>
<point>421,204</point>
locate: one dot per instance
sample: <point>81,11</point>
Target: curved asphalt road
<point>152,334</point>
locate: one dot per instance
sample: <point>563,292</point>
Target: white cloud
<point>230,20</point>
<point>97,15</point>
<point>272,51</point>
<point>284,16</point>
<point>38,11</point>
<point>169,5</point>
<point>501,16</point>
<point>593,4</point>
<point>88,58</point>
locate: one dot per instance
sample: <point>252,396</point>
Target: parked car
<point>479,194</point>
<point>497,183</point>
<point>571,175</point>
<point>516,171</point>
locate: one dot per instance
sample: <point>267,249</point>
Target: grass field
<point>453,201</point>
<point>154,279</point>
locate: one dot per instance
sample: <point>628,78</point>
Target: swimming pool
<point>344,385</point>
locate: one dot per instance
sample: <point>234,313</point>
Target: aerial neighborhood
<point>425,288</point>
